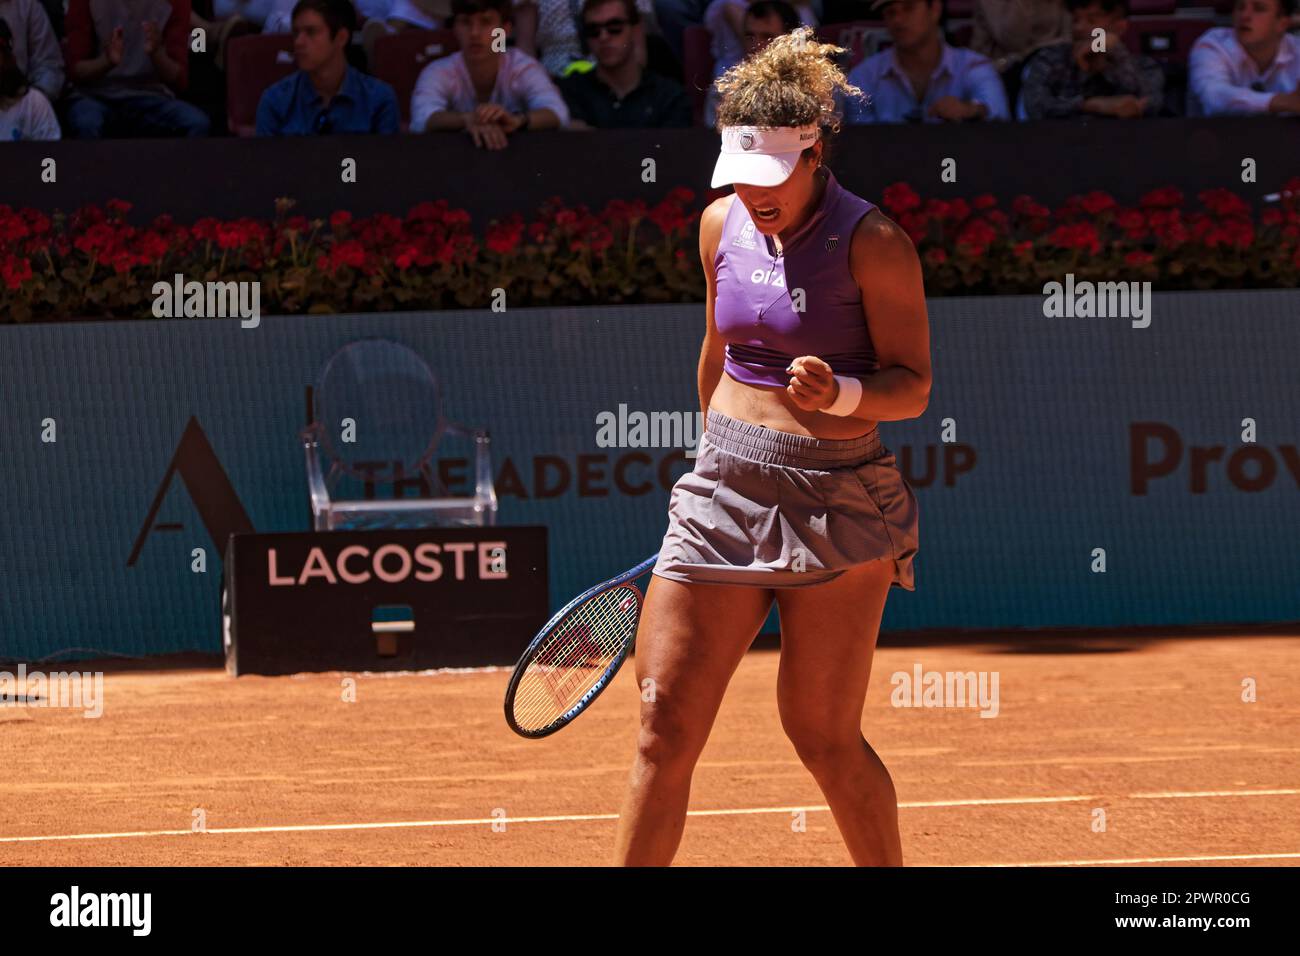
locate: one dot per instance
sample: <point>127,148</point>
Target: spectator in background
<point>726,21</point>
<point>126,79</point>
<point>25,112</point>
<point>621,92</point>
<point>488,94</point>
<point>386,17</point>
<point>764,21</point>
<point>326,95</point>
<point>674,16</point>
<point>34,46</point>
<point>922,78</point>
<point>279,13</point>
<point>550,26</point>
<point>1070,79</point>
<point>1008,31</point>
<point>1251,67</point>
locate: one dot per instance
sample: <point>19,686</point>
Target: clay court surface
<point>1152,729</point>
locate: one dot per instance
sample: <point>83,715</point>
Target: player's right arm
<point>713,354</point>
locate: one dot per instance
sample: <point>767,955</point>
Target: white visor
<point>761,155</point>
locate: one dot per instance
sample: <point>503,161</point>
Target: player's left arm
<point>887,270</point>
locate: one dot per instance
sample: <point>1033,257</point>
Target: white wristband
<point>847,401</point>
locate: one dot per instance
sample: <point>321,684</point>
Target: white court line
<point>569,818</point>
<point>1212,793</point>
<point>1153,859</point>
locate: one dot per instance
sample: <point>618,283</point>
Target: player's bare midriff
<point>774,408</point>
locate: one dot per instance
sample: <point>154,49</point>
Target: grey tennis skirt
<point>776,509</point>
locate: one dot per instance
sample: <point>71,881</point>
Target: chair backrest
<point>379,410</point>
<point>861,37</point>
<point>697,67</point>
<point>1165,39</point>
<point>252,64</point>
<point>400,57</point>
<point>1151,8</point>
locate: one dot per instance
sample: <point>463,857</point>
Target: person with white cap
<point>816,330</point>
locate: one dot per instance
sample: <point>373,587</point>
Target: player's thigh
<point>690,640</point>
<point>828,641</point>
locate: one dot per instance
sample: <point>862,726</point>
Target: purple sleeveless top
<point>754,313</point>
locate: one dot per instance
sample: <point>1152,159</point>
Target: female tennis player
<point>817,330</point>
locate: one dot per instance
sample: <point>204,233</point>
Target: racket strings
<point>574,659</point>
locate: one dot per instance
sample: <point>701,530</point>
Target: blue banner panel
<point>1071,471</point>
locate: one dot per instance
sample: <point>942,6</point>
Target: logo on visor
<point>746,140</point>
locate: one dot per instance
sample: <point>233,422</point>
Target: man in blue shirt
<point>326,95</point>
<point>922,78</point>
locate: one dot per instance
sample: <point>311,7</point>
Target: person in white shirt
<point>1251,67</point>
<point>25,112</point>
<point>485,88</point>
<point>35,46</point>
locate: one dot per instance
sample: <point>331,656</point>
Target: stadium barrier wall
<point>1045,440</point>
<point>1051,160</point>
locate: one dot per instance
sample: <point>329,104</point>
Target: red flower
<point>1132,222</point>
<point>620,213</point>
<point>504,238</point>
<point>936,208</point>
<point>152,247</point>
<point>1271,217</point>
<point>1232,232</point>
<point>1078,235</point>
<point>349,253</point>
<point>427,212</point>
<point>1138,258</point>
<point>984,201</point>
<point>601,239</point>
<point>1097,202</point>
<point>15,270</point>
<point>229,236</point>
<point>668,217</point>
<point>1224,202</point>
<point>916,225</point>
<point>339,219</point>
<point>12,228</point>
<point>936,256</point>
<point>1023,250</point>
<point>900,198</point>
<point>958,210</point>
<point>1026,206</point>
<point>1165,198</point>
<point>975,238</point>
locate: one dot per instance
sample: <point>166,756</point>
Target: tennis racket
<point>575,656</point>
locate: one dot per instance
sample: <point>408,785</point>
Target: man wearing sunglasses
<point>620,92</point>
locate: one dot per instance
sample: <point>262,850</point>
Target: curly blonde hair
<point>790,82</point>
